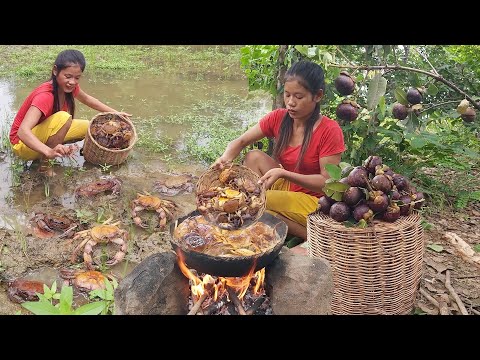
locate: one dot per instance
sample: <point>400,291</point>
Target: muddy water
<point>24,192</point>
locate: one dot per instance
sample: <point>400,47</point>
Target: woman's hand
<point>59,151</point>
<point>271,176</point>
<point>221,162</point>
<point>124,114</point>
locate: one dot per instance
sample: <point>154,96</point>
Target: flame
<point>217,286</point>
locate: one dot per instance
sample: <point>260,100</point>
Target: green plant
<point>107,295</point>
<point>464,197</point>
<point>105,167</point>
<point>46,306</point>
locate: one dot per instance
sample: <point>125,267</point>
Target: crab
<point>164,208</point>
<point>21,290</point>
<point>174,185</point>
<point>84,281</point>
<point>112,134</point>
<point>112,184</point>
<point>103,234</point>
<point>46,225</point>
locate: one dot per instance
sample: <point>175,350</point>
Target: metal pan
<point>230,266</point>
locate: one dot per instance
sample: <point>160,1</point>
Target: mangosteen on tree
<point>399,111</point>
<point>340,211</point>
<point>344,83</point>
<point>469,115</point>
<point>414,96</point>
<point>346,111</point>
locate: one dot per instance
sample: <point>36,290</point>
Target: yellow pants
<point>290,204</point>
<point>49,127</point>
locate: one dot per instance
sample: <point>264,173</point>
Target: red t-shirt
<point>42,98</point>
<point>327,139</point>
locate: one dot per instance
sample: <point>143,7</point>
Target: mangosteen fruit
<point>378,201</point>
<point>400,182</point>
<point>395,195</point>
<point>358,177</point>
<point>344,83</point>
<point>346,170</point>
<point>353,195</point>
<point>405,206</point>
<point>362,211</point>
<point>372,162</point>
<point>419,200</point>
<point>392,213</point>
<point>382,183</point>
<point>414,96</point>
<point>346,112</point>
<point>324,204</point>
<point>340,211</point>
<point>399,111</point>
<point>469,115</point>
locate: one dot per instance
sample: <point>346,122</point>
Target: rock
<point>299,285</point>
<point>156,286</point>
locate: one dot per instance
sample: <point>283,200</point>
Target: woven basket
<point>376,270</point>
<point>97,154</point>
<point>210,179</point>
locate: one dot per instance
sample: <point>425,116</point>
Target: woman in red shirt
<point>45,121</point>
<point>305,141</point>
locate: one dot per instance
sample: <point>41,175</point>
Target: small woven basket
<point>376,270</point>
<point>210,178</point>
<point>97,154</point>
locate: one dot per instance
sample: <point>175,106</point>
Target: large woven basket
<point>97,154</point>
<point>376,270</point>
<point>210,178</point>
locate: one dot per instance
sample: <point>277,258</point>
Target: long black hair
<point>65,59</point>
<point>312,78</point>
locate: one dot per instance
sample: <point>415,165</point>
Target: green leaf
<point>432,90</point>
<point>477,248</point>
<point>343,165</point>
<point>54,287</point>
<point>401,96</point>
<point>302,49</point>
<point>362,224</point>
<point>41,308</point>
<point>66,299</point>
<point>334,171</point>
<point>337,196</point>
<point>382,106</point>
<point>435,247</point>
<point>337,186</point>
<point>93,308</point>
<point>417,143</point>
<point>376,89</point>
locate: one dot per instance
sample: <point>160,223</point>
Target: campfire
<point>216,295</point>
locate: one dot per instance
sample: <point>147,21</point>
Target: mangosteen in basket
<point>344,83</point>
<point>353,195</point>
<point>378,201</point>
<point>358,177</point>
<point>372,162</point>
<point>340,211</point>
<point>395,195</point>
<point>405,206</point>
<point>400,182</point>
<point>392,213</point>
<point>324,204</point>
<point>382,183</point>
<point>362,211</point>
<point>419,200</point>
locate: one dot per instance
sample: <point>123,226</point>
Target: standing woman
<point>305,141</point>
<point>45,121</point>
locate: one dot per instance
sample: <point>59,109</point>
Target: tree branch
<point>426,59</point>
<point>405,68</point>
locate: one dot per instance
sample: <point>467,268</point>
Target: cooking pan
<point>230,266</point>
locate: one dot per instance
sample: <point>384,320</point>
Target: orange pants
<point>290,204</point>
<point>49,127</point>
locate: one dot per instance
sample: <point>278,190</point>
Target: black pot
<point>230,266</point>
